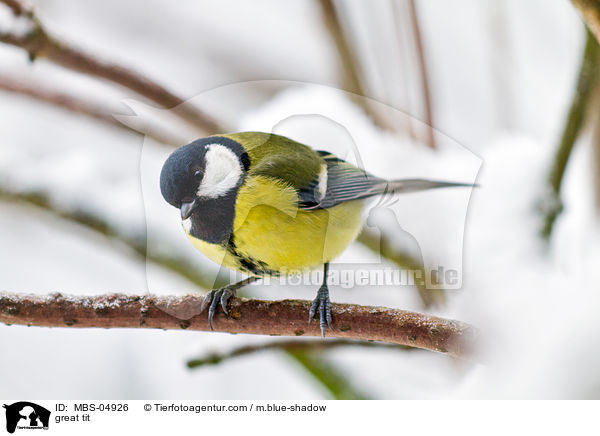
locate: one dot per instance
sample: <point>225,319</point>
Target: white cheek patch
<point>222,172</point>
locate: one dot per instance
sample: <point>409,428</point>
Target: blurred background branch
<point>306,353</point>
<point>422,66</point>
<point>403,260</point>
<point>289,345</point>
<point>137,243</point>
<point>337,383</point>
<point>588,73</point>
<point>355,72</point>
<point>350,69</point>
<point>81,106</point>
<point>40,44</point>
<point>590,11</point>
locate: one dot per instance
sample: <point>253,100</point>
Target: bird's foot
<point>322,304</point>
<point>212,300</point>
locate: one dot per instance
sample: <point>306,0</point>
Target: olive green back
<point>280,157</point>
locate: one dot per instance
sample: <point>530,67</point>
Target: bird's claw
<point>323,305</point>
<point>212,300</point>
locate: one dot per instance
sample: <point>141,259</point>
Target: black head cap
<point>182,172</point>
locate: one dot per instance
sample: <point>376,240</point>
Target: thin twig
<point>86,107</point>
<point>381,245</point>
<point>289,345</point>
<point>420,51</point>
<point>590,11</point>
<point>306,353</point>
<point>337,383</point>
<point>350,65</point>
<point>15,6</point>
<point>137,243</point>
<point>40,44</point>
<point>349,62</point>
<point>552,204</point>
<point>282,318</point>
<point>596,151</point>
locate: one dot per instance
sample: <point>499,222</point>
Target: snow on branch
<point>281,318</point>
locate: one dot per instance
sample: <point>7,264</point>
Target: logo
<point>26,415</point>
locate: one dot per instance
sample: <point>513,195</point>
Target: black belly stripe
<point>249,264</point>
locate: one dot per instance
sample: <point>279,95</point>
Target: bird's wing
<point>338,182</point>
<point>282,159</point>
<point>323,180</point>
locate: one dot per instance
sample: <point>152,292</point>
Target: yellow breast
<point>269,228</point>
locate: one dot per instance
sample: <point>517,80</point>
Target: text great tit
<point>263,204</point>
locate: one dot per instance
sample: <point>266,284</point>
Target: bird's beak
<point>187,209</point>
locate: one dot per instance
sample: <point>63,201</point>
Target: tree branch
<point>80,106</point>
<point>293,345</point>
<point>137,243</point>
<point>306,353</point>
<point>282,318</point>
<point>590,11</point>
<point>552,204</point>
<point>420,51</point>
<point>16,7</point>
<point>381,246</point>
<point>336,382</point>
<point>350,65</point>
<point>40,44</point>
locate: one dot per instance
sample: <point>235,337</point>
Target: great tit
<point>263,204</point>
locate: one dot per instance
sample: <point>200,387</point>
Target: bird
<point>266,205</point>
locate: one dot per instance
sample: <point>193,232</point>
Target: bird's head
<point>206,169</point>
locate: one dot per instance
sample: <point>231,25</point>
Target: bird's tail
<point>415,185</point>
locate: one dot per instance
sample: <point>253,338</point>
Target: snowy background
<point>502,77</point>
